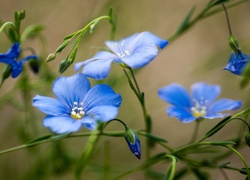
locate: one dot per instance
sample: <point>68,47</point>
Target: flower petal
<point>102,113</point>
<point>213,116</point>
<point>118,46</point>
<point>203,91</point>
<point>12,54</point>
<point>181,114</point>
<point>224,105</point>
<point>176,95</point>
<point>147,36</point>
<point>62,124</point>
<point>143,54</point>
<point>50,106</point>
<point>28,58</point>
<point>237,62</point>
<point>71,89</point>
<point>97,67</point>
<point>16,69</point>
<point>89,122</point>
<point>101,95</point>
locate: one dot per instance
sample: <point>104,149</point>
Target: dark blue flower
<point>199,105</point>
<point>133,142</point>
<point>11,58</point>
<point>135,51</point>
<point>77,104</point>
<point>237,62</point>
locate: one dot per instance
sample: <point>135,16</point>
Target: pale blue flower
<point>11,58</point>
<point>200,104</point>
<point>135,51</point>
<point>237,62</point>
<point>77,104</point>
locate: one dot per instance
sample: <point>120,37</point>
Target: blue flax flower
<point>77,104</point>
<point>135,51</point>
<point>11,58</point>
<point>199,105</point>
<point>133,142</point>
<point>237,62</point>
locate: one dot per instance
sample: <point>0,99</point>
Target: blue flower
<point>199,105</point>
<point>77,104</point>
<point>11,57</point>
<point>133,142</point>
<point>237,62</point>
<point>135,51</point>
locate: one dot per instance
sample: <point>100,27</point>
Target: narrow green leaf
<point>222,143</point>
<point>39,139</point>
<point>245,111</point>
<point>59,136</point>
<point>218,126</point>
<point>185,22</point>
<point>62,46</point>
<point>214,3</point>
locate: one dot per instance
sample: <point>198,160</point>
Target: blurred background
<point>198,55</point>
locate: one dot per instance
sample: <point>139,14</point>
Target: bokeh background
<point>198,55</point>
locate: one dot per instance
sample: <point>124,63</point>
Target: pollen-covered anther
<point>77,111</point>
<point>199,111</point>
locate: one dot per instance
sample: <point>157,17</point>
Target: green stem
<point>242,159</point>
<point>172,170</point>
<point>87,153</point>
<point>196,130</point>
<point>135,87</point>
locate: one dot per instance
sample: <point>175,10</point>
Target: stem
<point>196,130</point>
<point>140,96</point>
<point>228,22</point>
<point>242,159</point>
<point>87,153</point>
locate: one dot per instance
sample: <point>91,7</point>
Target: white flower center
<point>122,52</point>
<point>77,111</point>
<point>199,109</point>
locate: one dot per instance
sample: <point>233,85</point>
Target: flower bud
<point>247,139</point>
<point>133,142</point>
<point>63,66</point>
<point>233,43</point>
<point>34,65</point>
<point>51,57</point>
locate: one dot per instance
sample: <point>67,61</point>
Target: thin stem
<point>242,159</point>
<point>196,130</point>
<point>227,17</point>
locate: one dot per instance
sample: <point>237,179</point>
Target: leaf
<point>222,143</point>
<point>39,139</point>
<point>185,22</point>
<point>245,111</point>
<point>218,126</point>
<point>219,2</point>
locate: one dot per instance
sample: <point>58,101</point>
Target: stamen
<point>199,109</point>
<point>77,111</point>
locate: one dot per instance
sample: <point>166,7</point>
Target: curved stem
<point>227,17</point>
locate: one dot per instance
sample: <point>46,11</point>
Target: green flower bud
<point>233,43</point>
<point>51,57</point>
<point>247,139</point>
<point>63,66</point>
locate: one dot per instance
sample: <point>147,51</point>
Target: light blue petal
<point>213,116</point>
<point>102,55</point>
<point>102,113</point>
<point>101,95</point>
<point>237,62</point>
<point>98,69</point>
<point>50,106</point>
<point>181,114</point>
<point>224,105</point>
<point>62,124</point>
<point>124,44</point>
<point>71,89</point>
<point>89,122</point>
<point>202,91</point>
<point>176,95</point>
<point>147,36</point>
<point>142,55</point>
